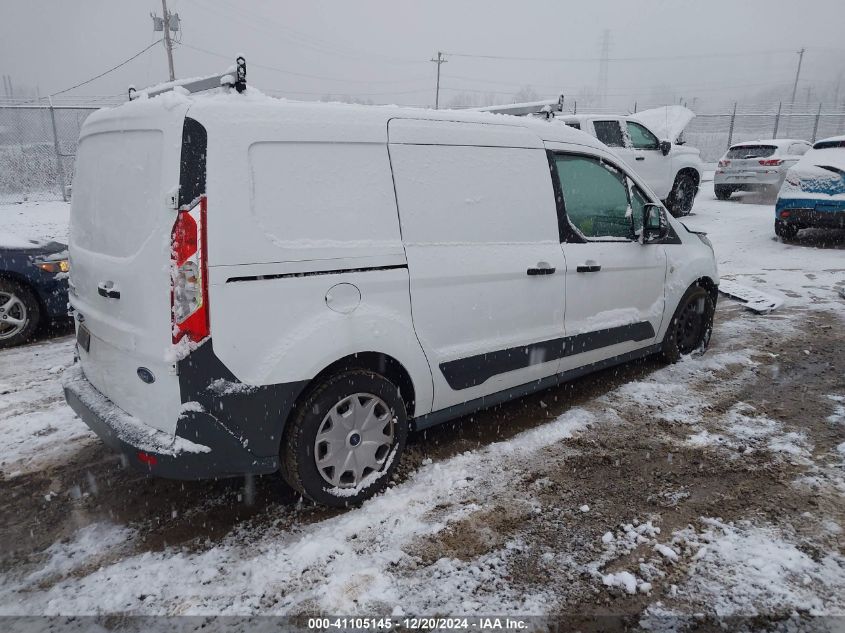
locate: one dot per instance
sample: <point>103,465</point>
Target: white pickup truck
<point>648,141</point>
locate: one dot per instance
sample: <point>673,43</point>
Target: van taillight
<point>189,274</point>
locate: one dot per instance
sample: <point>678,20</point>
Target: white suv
<point>262,285</point>
<point>648,143</point>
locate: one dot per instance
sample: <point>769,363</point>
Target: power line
<point>615,59</point>
<point>268,25</point>
<point>306,75</point>
<point>103,74</point>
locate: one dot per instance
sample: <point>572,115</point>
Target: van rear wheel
<point>346,438</point>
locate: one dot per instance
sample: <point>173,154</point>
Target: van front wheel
<point>345,439</point>
<point>691,325</point>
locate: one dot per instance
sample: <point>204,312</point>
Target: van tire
<point>682,196</point>
<point>300,446</point>
<point>25,305</point>
<point>691,325</point>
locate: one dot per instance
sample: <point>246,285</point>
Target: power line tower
<point>170,23</point>
<point>601,87</point>
<point>439,60</point>
<point>797,74</point>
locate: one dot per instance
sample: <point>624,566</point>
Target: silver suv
<point>757,166</point>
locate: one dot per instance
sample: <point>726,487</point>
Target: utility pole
<point>797,74</point>
<point>439,60</point>
<point>170,23</point>
<point>603,74</point>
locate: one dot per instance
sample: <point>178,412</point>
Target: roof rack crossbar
<point>232,78</point>
<point>545,108</point>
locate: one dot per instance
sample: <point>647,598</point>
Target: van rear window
<point>117,191</point>
<point>751,151</point>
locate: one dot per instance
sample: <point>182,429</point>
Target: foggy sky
<point>379,50</point>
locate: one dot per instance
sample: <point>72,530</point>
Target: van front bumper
<point>212,452</point>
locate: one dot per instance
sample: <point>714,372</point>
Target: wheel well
<point>379,363</point>
<point>710,286</point>
<point>696,177</point>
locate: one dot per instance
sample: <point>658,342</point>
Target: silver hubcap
<point>12,315</point>
<point>354,439</point>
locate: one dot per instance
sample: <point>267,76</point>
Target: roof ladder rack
<point>546,108</point>
<point>235,78</point>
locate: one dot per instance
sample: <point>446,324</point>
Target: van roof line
<point>233,77</point>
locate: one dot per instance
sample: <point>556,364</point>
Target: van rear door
<point>127,166</point>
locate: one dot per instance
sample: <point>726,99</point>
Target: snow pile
<point>743,569</point>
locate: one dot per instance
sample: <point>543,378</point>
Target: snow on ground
<point>393,555</point>
<point>36,425</point>
<point>38,220</point>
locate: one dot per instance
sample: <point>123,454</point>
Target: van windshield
<point>751,151</point>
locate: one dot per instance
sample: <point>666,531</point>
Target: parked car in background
<point>650,142</point>
<point>33,286</point>
<point>251,304</point>
<point>757,165</point>
<point>813,192</point>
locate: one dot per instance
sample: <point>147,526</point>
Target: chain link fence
<point>714,133</point>
<point>37,150</point>
<point>38,141</point>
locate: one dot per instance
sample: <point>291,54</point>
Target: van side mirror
<point>654,223</point>
<point>665,147</point>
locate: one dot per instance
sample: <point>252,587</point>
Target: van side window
<point>641,138</point>
<point>575,124</point>
<point>609,133</point>
<point>595,197</point>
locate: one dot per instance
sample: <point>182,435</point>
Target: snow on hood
<point>16,242</point>
<point>667,122</point>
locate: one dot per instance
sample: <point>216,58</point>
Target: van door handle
<point>640,158</point>
<point>541,270</point>
<point>106,289</point>
<point>589,267</point>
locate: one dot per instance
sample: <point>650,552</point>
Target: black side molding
<point>471,406</point>
<point>471,371</point>
<point>314,273</point>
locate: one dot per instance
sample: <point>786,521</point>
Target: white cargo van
<point>262,285</point>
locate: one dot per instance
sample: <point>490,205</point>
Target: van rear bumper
<point>212,452</point>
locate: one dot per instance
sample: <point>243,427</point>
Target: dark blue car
<point>33,287</point>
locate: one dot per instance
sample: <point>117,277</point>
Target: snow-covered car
<point>649,142</point>
<point>813,193</point>
<point>757,165</point>
<point>246,301</point>
<point>33,286</point>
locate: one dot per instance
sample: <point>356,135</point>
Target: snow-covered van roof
<point>308,120</point>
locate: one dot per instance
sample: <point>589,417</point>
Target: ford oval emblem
<point>146,375</point>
